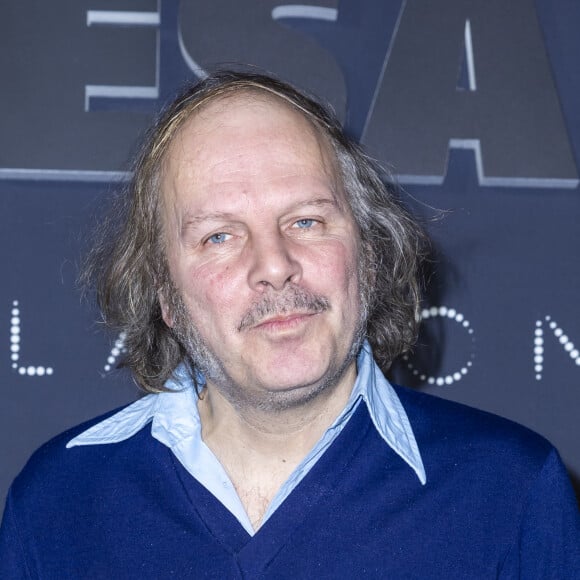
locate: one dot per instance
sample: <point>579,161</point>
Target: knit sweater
<point>497,503</point>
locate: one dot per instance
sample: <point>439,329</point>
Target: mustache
<point>293,299</point>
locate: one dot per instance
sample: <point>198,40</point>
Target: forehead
<point>250,135</point>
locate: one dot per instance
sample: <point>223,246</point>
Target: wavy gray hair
<point>127,264</point>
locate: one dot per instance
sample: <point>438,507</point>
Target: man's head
<point>257,244</point>
<point>262,251</point>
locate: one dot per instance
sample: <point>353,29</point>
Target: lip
<point>284,322</point>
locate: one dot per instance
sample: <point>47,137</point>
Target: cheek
<point>212,291</point>
<point>209,289</point>
<point>337,269</point>
<point>337,278</point>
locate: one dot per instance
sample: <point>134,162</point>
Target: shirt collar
<point>387,412</point>
<point>174,415</point>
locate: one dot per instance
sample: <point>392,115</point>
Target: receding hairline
<point>238,89</point>
<point>254,93</point>
<point>248,87</point>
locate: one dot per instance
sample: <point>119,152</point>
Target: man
<point>258,264</point>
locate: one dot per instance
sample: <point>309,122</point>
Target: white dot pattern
<point>15,343</point>
<point>117,350</point>
<point>452,314</point>
<point>539,344</point>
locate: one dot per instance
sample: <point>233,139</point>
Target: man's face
<point>262,252</point>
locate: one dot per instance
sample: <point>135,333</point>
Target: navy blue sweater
<point>497,504</point>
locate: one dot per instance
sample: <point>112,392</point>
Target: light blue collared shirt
<point>175,422</point>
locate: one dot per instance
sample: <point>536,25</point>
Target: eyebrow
<point>192,221</point>
<point>320,201</point>
<point>333,202</point>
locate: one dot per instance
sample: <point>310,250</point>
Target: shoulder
<point>480,455</point>
<point>499,483</point>
<point>57,445</point>
<point>53,466</point>
<point>446,429</point>
<point>66,492</point>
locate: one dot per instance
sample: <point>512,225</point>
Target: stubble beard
<point>294,298</point>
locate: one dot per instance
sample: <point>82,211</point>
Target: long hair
<point>128,267</point>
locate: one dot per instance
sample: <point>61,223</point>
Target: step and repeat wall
<point>473,104</point>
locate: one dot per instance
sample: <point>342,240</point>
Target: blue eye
<point>218,238</point>
<point>305,223</point>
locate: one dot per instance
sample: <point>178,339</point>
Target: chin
<point>282,398</point>
<point>302,384</point>
<point>293,367</point>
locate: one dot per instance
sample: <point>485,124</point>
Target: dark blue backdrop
<point>474,103</point>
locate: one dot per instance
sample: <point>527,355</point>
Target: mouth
<point>285,311</point>
<point>284,322</point>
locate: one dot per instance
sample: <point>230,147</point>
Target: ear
<point>165,310</point>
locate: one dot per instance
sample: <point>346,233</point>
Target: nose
<point>273,263</point>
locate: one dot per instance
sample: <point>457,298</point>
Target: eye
<point>218,238</point>
<point>305,223</point>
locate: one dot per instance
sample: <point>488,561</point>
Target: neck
<point>298,426</point>
<point>260,448</point>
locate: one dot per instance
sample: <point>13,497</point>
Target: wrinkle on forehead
<point>216,115</point>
